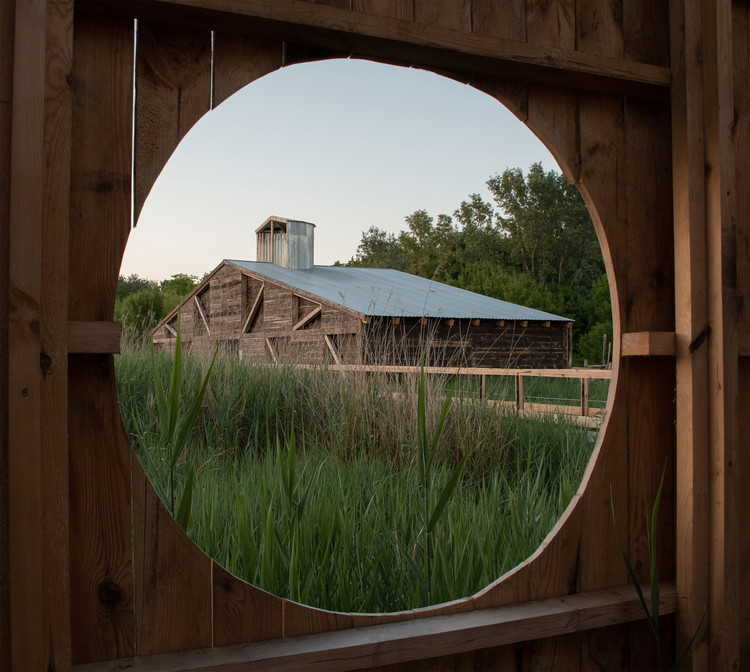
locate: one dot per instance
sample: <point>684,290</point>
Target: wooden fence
<point>585,414</point>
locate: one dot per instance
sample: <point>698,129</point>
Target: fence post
<point>482,387</point>
<point>519,392</point>
<point>584,397</point>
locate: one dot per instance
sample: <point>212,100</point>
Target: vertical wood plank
<point>601,145</point>
<point>7,21</point>
<point>606,485</point>
<point>500,18</point>
<point>692,464</point>
<point>173,91</point>
<point>37,279</point>
<point>101,568</point>
<point>395,9</point>
<point>721,216</point>
<point>553,118</point>
<point>551,23</point>
<point>599,27</point>
<point>741,136</point>
<point>454,14</point>
<point>646,31</point>
<point>173,578</point>
<point>241,60</point>
<point>649,306</point>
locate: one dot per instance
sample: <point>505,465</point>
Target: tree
<point>429,245</point>
<point>550,232</point>
<point>176,289</point>
<point>132,284</point>
<point>379,249</point>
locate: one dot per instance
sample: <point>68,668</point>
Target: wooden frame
<point>604,85</point>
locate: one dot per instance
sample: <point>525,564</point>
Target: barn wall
<point>488,344</point>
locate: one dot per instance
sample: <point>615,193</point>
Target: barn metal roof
<point>389,293</point>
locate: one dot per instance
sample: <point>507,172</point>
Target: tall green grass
<point>308,483</point>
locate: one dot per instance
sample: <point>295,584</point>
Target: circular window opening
<point>370,439</point>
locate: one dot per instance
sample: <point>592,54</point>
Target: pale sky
<point>344,144</point>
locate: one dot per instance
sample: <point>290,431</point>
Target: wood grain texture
<point>415,640</point>
<point>599,27</point>
<point>741,137</point>
<point>94,337</point>
<point>647,344</point>
<point>7,24</point>
<point>721,242</point>
<point>549,55</point>
<point>38,538</point>
<point>240,60</point>
<point>504,18</point>
<point>173,578</point>
<point>646,31</point>
<point>601,145</point>
<point>397,9</point>
<point>101,567</point>
<point>551,22</point>
<point>241,612</point>
<point>455,14</point>
<point>173,91</point>
<point>692,462</point>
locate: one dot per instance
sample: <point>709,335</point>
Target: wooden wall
<point>475,343</point>
<point>644,104</point>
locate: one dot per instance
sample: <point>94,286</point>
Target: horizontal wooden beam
<point>416,639</point>
<point>575,374</point>
<point>93,337</point>
<point>398,41</point>
<point>647,344</point>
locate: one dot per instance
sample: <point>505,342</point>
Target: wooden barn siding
<point>462,343</point>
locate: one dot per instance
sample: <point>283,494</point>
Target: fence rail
<point>584,413</point>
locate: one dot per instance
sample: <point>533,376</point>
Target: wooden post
<point>482,387</point>
<point>584,396</point>
<point>38,485</point>
<point>519,392</point>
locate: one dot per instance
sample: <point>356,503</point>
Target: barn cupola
<point>286,242</point>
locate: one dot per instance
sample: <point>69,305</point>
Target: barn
<point>285,308</point>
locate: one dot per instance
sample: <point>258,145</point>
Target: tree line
<point>535,246</point>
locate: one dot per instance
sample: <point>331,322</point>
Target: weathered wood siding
<point>296,325</point>
<point>486,343</point>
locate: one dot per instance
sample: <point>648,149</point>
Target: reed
<point>308,483</point>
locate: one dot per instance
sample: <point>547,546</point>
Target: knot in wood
<point>110,594</point>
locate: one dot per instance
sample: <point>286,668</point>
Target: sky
<point>344,144</point>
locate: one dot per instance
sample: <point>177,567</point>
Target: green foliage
<point>652,612</point>
<point>173,428</point>
<point>307,483</point>
<point>132,284</point>
<point>538,249</point>
<point>550,232</point>
<point>176,289</point>
<point>141,303</point>
<point>142,310</point>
